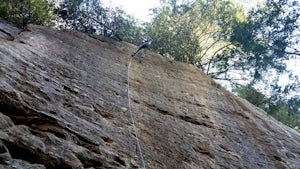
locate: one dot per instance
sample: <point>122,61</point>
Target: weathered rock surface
<point>64,104</point>
<point>8,31</point>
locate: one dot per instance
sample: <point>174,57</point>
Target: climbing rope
<point>132,119</point>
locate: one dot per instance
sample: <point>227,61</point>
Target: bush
<point>23,12</point>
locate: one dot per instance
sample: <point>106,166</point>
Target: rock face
<point>64,104</point>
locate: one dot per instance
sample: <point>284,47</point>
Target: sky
<point>137,8</point>
<point>140,8</point>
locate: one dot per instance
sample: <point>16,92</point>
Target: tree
<point>253,96</point>
<point>193,32</point>
<point>171,33</point>
<point>262,44</point>
<point>264,41</point>
<point>23,12</point>
<point>90,17</point>
<point>127,27</point>
<point>287,111</point>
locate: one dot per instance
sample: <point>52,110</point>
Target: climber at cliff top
<point>145,44</point>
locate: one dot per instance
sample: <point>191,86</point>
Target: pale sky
<point>140,8</point>
<point>137,8</point>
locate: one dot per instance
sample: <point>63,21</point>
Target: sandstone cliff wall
<point>64,104</point>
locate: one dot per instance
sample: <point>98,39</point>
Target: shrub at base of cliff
<point>286,112</point>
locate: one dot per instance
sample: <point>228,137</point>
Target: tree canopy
<point>23,12</point>
<point>193,32</point>
<point>90,16</point>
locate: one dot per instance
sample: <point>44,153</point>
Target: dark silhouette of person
<point>145,44</point>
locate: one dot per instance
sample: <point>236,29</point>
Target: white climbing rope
<point>132,119</point>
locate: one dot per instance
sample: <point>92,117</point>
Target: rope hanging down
<point>132,119</point>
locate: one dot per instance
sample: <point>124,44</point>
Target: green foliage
<point>265,40</point>
<point>128,28</point>
<point>172,34</point>
<point>286,111</point>
<point>262,44</point>
<point>253,96</point>
<point>27,11</point>
<point>90,17</point>
<point>193,32</point>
